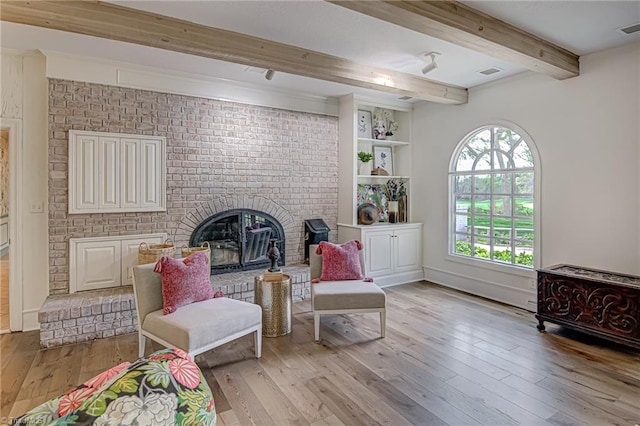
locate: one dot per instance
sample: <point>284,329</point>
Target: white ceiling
<point>580,26</point>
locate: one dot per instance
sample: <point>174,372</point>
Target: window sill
<point>487,264</point>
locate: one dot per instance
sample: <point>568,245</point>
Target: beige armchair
<point>195,328</point>
<point>344,297</point>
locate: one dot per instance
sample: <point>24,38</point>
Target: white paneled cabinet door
<point>116,173</point>
<point>151,165</point>
<point>98,264</point>
<point>130,161</point>
<point>378,252</point>
<point>108,173</point>
<point>407,249</point>
<point>83,176</point>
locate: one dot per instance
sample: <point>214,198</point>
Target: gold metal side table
<point>274,296</point>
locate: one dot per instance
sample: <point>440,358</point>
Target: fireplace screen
<point>239,240</point>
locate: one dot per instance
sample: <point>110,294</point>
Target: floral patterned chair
<point>164,388</point>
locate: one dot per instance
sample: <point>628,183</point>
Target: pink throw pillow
<point>340,261</point>
<point>184,281</point>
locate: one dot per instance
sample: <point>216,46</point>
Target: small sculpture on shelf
<point>274,254</point>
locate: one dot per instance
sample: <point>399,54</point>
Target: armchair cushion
<point>198,324</point>
<point>351,294</point>
<point>184,281</point>
<point>340,261</point>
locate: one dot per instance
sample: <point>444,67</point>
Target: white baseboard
<point>400,278</point>
<point>499,292</point>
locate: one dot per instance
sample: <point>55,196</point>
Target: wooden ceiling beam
<point>464,26</point>
<point>148,29</point>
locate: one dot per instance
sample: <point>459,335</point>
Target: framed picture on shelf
<point>364,124</point>
<point>383,158</point>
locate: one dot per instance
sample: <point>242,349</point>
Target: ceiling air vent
<point>405,98</point>
<point>630,29</point>
<point>490,71</point>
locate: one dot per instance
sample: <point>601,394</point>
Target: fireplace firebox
<point>239,240</point>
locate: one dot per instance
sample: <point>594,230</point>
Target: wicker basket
<point>187,251</point>
<point>151,253</point>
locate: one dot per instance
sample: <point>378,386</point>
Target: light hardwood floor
<point>4,293</point>
<point>448,358</point>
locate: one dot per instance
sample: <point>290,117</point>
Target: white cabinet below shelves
<point>116,173</point>
<point>103,262</point>
<point>393,253</point>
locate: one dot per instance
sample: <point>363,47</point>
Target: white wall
<point>26,97</point>
<point>587,132</point>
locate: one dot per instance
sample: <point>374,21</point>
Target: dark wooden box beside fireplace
<point>600,303</point>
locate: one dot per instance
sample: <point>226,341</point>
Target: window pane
<point>502,250</point>
<point>480,142</point>
<point>524,206</point>
<point>462,184</point>
<point>463,244</point>
<point>524,183</point>
<point>506,139</point>
<point>481,230</point>
<point>502,232</point>
<point>481,224</point>
<point>501,161</point>
<point>466,159</point>
<point>502,205</point>
<point>525,234</point>
<point>522,156</point>
<point>484,162</point>
<point>481,204</point>
<point>502,183</point>
<point>524,257</point>
<point>481,239</point>
<point>463,203</point>
<point>482,184</point>
<point>462,223</point>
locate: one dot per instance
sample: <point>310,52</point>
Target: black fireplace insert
<point>239,240</point>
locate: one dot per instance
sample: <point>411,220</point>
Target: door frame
<point>14,126</point>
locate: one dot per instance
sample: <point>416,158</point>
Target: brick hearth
<point>89,315</point>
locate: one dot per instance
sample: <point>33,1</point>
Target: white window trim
<point>537,195</point>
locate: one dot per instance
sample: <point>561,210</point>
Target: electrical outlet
<point>532,284</point>
<point>36,207</point>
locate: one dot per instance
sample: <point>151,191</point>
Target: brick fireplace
<point>220,156</point>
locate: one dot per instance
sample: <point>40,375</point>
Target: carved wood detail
<point>606,309</point>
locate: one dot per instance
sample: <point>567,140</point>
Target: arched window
<point>492,179</point>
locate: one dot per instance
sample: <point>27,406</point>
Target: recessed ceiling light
<point>490,71</point>
<point>630,29</point>
<point>405,98</point>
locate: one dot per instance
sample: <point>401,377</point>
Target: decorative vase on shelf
<point>393,212</point>
<point>365,168</point>
<point>380,130</point>
<point>389,136</point>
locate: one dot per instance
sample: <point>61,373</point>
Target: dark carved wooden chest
<point>601,303</point>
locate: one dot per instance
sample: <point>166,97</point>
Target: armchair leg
<point>142,340</point>
<point>316,325</point>
<point>257,340</point>
<point>383,322</point>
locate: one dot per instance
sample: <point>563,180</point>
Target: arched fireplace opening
<point>239,239</point>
